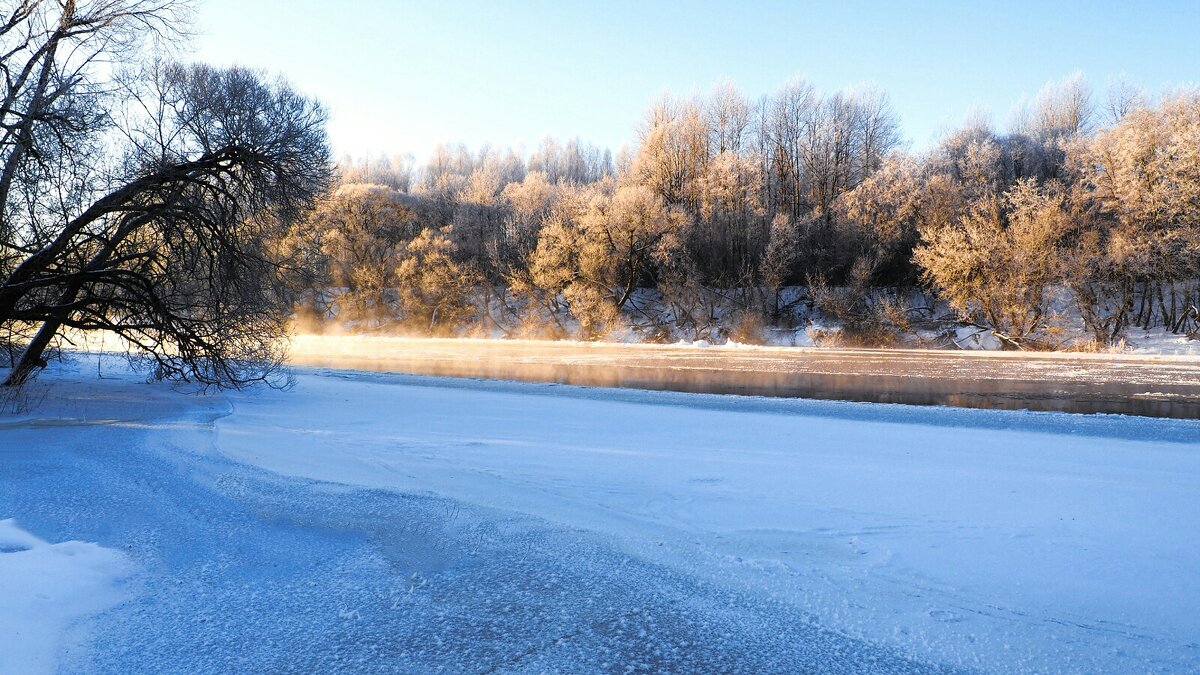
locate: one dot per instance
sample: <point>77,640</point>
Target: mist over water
<point>1078,383</point>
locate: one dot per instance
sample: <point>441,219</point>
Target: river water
<point>1164,386</point>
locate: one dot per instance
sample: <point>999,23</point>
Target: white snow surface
<point>1161,343</point>
<point>44,590</point>
<point>363,521</point>
<point>994,548</point>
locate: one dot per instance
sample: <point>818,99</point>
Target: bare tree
<point>167,244</point>
<point>1121,98</point>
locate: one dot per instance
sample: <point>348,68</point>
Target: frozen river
<point>378,522</point>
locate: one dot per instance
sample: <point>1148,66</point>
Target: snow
<point>387,522</point>
<point>969,337</point>
<point>1159,342</point>
<point>45,589</point>
<point>982,548</point>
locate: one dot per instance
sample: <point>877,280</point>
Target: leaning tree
<point>144,197</point>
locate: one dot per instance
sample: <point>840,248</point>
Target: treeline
<point>1083,218</point>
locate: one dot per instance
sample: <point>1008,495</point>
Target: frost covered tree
<point>528,204</point>
<point>804,187</point>
<point>356,234</point>
<point>880,218</point>
<point>728,232</point>
<point>394,171</point>
<point>548,271</point>
<point>573,161</point>
<point>998,263</point>
<point>1143,178</point>
<point>780,256</point>
<point>1121,98</point>
<point>434,289</point>
<point>621,232</point>
<point>673,152</point>
<point>595,258</point>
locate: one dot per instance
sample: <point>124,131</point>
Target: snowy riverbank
<point>386,521</point>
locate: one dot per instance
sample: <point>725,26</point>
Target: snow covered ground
<point>1161,342</point>
<point>386,522</point>
<point>44,589</point>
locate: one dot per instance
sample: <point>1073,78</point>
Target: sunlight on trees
<point>187,209</point>
<point>1084,208</point>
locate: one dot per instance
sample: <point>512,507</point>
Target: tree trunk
<point>1143,319</point>
<point>31,358</point>
<point>1162,305</point>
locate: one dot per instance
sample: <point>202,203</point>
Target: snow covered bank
<point>44,590</point>
<point>1161,343</point>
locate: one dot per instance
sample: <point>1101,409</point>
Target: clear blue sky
<point>400,76</point>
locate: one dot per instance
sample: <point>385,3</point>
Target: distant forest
<point>1087,206</point>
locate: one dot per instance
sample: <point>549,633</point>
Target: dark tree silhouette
<point>151,212</point>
